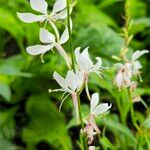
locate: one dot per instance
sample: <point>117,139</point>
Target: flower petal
<point>102,108</point>
<point>94,101</point>
<point>71,80</point>
<point>138,54</point>
<point>29,17</point>
<point>38,49</point>
<point>46,36</point>
<point>39,5</point>
<point>59,6</point>
<point>61,81</point>
<point>119,80</point>
<point>65,36</point>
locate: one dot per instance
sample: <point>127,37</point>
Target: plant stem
<point>70,36</point>
<point>82,124</point>
<point>132,112</point>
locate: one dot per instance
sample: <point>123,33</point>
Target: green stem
<point>132,112</point>
<point>84,142</point>
<point>70,36</point>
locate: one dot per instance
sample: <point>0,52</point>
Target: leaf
<point>6,145</point>
<point>106,3</point>
<point>9,23</point>
<point>46,124</point>
<point>146,123</point>
<point>94,16</point>
<point>113,125</point>
<point>5,91</point>
<point>106,143</point>
<point>12,66</point>
<point>139,24</point>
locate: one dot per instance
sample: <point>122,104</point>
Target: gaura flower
<point>59,11</point>
<point>86,65</point>
<point>128,70</point>
<point>50,42</point>
<point>91,147</point>
<point>71,85</point>
<point>123,77</point>
<point>96,109</point>
<point>136,65</point>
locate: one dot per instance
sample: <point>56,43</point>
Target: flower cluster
<point>129,70</point>
<point>76,80</point>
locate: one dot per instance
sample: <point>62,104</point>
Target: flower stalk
<point>70,35</point>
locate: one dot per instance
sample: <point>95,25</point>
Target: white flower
<point>123,77</point>
<point>136,65</point>
<point>59,11</point>
<point>49,41</point>
<point>91,147</point>
<point>98,109</point>
<point>85,63</point>
<point>71,84</point>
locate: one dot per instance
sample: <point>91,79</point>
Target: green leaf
<point>146,123</point>
<point>5,91</point>
<point>12,66</point>
<point>46,124</point>
<point>106,143</point>
<point>113,125</point>
<point>6,145</point>
<point>9,23</point>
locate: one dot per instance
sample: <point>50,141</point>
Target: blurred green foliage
<point>29,117</point>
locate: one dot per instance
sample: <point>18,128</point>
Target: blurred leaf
<point>46,124</point>
<point>93,16</point>
<point>9,23</point>
<point>139,24</point>
<point>12,66</point>
<point>106,143</point>
<point>5,91</point>
<point>106,3</point>
<point>6,145</point>
<point>118,127</point>
<point>146,123</point>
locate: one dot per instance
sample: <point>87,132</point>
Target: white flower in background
<point>71,84</point>
<point>50,42</point>
<point>91,147</point>
<point>136,65</point>
<point>96,109</point>
<point>128,70</point>
<point>59,11</point>
<point>86,65</point>
<point>123,77</point>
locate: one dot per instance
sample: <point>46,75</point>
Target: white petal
<point>91,147</point>
<point>94,101</point>
<point>77,52</point>
<point>59,5</point>
<point>65,36</point>
<point>38,49</point>
<point>39,5</point>
<point>138,54</point>
<point>102,108</point>
<point>79,79</point>
<point>46,36</point>
<point>119,80</point>
<point>29,17</point>
<point>71,80</point>
<point>60,80</point>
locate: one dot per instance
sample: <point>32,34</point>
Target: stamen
<point>63,102</point>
